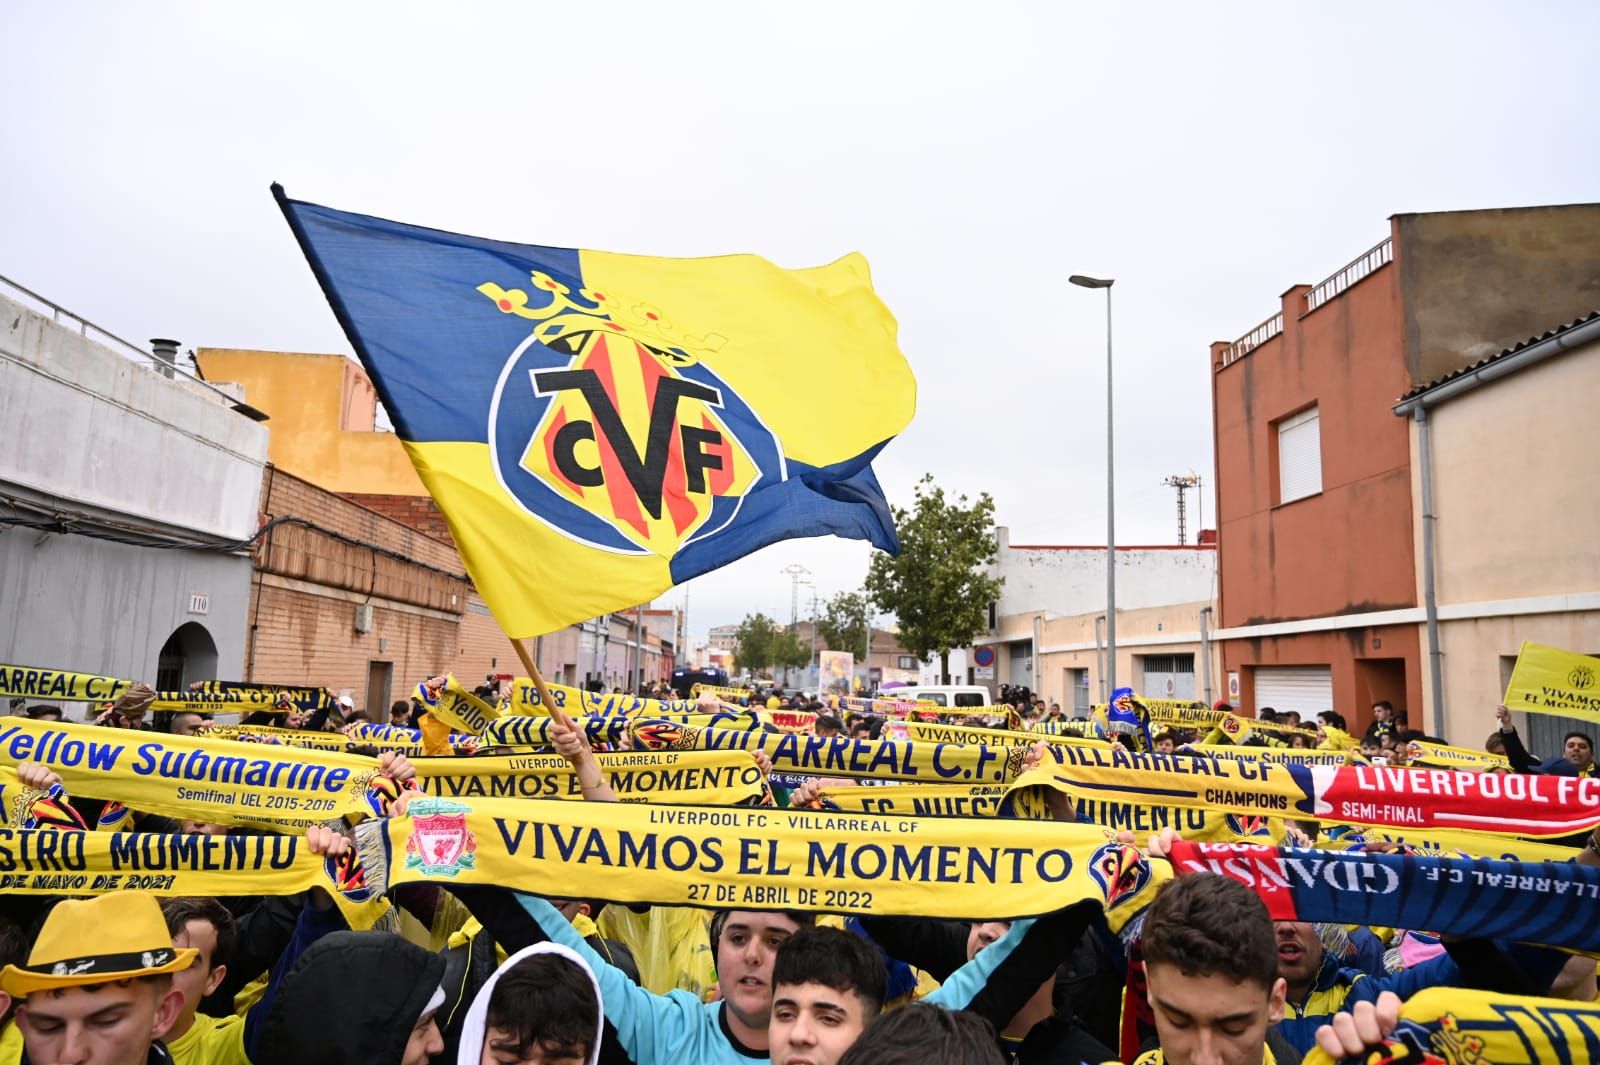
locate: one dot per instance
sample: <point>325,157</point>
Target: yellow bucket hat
<point>102,940</point>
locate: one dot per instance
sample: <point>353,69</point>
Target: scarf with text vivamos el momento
<point>221,781</point>
<point>1548,903</point>
<point>840,756</point>
<point>712,777</point>
<point>1498,803</point>
<point>1455,1026</point>
<point>762,859</point>
<point>51,862</point>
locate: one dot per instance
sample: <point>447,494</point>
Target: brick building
<point>337,470</point>
<point>1320,602</point>
<point>350,599</point>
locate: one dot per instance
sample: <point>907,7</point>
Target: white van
<point>943,695</point>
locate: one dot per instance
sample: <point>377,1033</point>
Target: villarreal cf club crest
<point>610,425</point>
<point>1120,871</point>
<point>1248,824</point>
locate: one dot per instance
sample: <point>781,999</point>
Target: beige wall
<point>1514,470</point>
<point>321,412</point>
<point>1515,465</point>
<point>1473,653</point>
<point>1069,643</point>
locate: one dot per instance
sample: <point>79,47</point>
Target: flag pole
<point>545,698</point>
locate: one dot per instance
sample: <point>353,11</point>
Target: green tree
<point>843,622</point>
<point>788,652</point>
<point>756,634</point>
<point>937,587</point>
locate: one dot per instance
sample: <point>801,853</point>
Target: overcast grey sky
<point>1207,156</point>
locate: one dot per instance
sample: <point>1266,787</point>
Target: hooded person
<point>545,998</point>
<point>386,991</point>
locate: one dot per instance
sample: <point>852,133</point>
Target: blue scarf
<point>1550,903</point>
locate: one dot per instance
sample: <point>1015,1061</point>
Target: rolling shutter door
<point>1308,689</point>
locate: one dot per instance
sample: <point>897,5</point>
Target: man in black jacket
<point>1072,1016</point>
<point>387,990</point>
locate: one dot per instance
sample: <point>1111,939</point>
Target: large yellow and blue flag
<point>599,427</point>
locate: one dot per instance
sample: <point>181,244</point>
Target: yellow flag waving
<point>596,427</point>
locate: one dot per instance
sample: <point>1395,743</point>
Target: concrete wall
<point>1477,282</point>
<point>1514,538</point>
<point>1174,629</point>
<point>322,410</point>
<point>89,427</point>
<point>1069,643</point>
<point>91,606</point>
<point>92,432</point>
<point>1072,580</point>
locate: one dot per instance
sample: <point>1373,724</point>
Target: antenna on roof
<point>1183,482</point>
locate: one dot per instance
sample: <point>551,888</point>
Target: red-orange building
<point>1319,602</point>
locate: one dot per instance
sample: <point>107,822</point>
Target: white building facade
<point>127,496</point>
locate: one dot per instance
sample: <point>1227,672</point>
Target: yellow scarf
<point>838,756</point>
<point>1426,753</point>
<point>989,800</point>
<point>457,707</point>
<point>527,731</point>
<point>288,737</point>
<point>48,862</point>
<point>573,701</point>
<point>714,777</point>
<point>930,733</point>
<point>1462,1027</point>
<point>222,781</point>
<point>918,800</point>
<point>1449,843</point>
<point>762,858</point>
<point>1281,755</point>
<point>39,683</point>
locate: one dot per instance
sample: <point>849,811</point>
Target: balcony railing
<point>1253,339</point>
<point>1379,255</point>
<point>1350,273</point>
<point>127,349</point>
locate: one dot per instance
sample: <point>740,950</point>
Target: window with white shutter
<point>1299,456</point>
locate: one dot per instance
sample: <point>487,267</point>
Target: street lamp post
<point>1111,495</point>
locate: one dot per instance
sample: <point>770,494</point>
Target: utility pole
<point>683,630</point>
<point>638,648</point>
<point>795,572</point>
<point>866,652</point>
<point>1182,482</point>
<point>814,632</point>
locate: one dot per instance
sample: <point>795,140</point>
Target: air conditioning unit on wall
<point>364,617</point>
